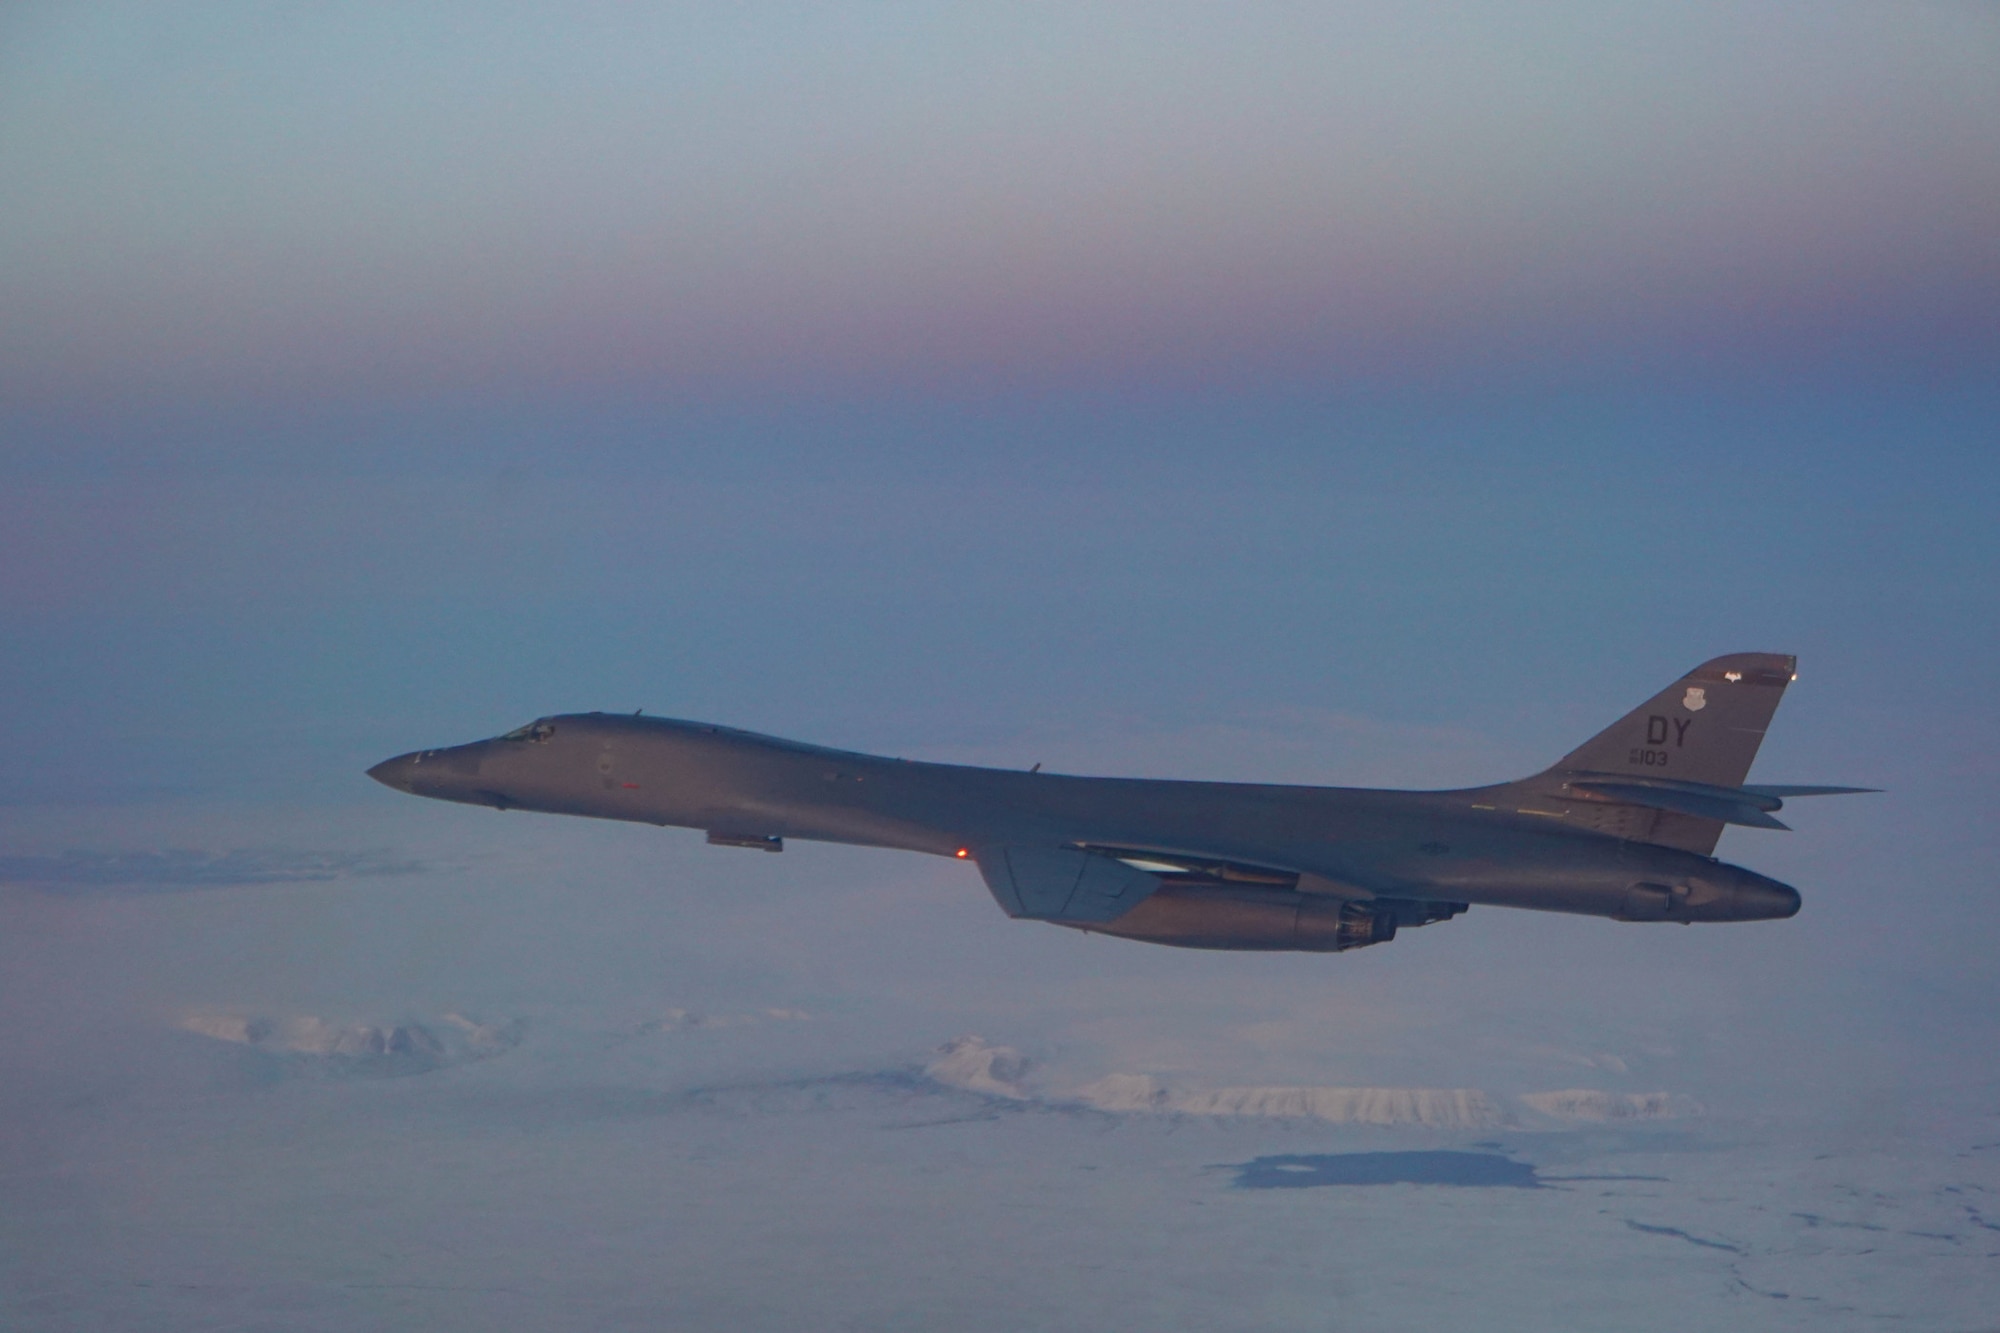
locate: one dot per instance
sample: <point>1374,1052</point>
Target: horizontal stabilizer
<point>1728,805</point>
<point>1749,805</point>
<point>1061,884</point>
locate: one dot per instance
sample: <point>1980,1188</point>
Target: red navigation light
<point>963,853</point>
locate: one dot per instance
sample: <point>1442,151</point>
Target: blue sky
<point>916,377</point>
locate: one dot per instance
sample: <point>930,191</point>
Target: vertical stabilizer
<point>1704,728</point>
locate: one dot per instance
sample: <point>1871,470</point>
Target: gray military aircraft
<point>1621,827</point>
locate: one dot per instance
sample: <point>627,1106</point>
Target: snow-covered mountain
<point>973,1064</point>
<point>306,1040</point>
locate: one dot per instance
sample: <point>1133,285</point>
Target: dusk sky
<point>1386,395</point>
<point>364,204</point>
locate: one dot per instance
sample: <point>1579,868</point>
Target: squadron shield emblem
<point>1695,699</point>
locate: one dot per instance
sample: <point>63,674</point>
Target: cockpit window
<point>534,733</point>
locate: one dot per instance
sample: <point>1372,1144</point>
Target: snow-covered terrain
<point>884,1198</point>
<point>1436,1108</point>
<point>749,1100</point>
<point>371,1048</point>
<point>973,1064</point>
<point>1597,1104</point>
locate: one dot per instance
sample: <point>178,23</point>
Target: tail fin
<point>1703,729</point>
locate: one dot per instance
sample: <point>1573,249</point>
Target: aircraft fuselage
<point>1446,848</point>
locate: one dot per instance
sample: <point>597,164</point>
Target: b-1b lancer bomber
<point>1622,827</point>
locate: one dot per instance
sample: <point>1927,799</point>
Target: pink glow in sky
<point>365,200</point>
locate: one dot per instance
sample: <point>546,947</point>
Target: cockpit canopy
<point>534,733</point>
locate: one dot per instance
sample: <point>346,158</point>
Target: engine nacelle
<point>1266,919</point>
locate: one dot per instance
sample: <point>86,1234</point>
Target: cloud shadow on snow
<point>1305,1171</point>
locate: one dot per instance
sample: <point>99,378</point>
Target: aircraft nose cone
<point>396,773</point>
